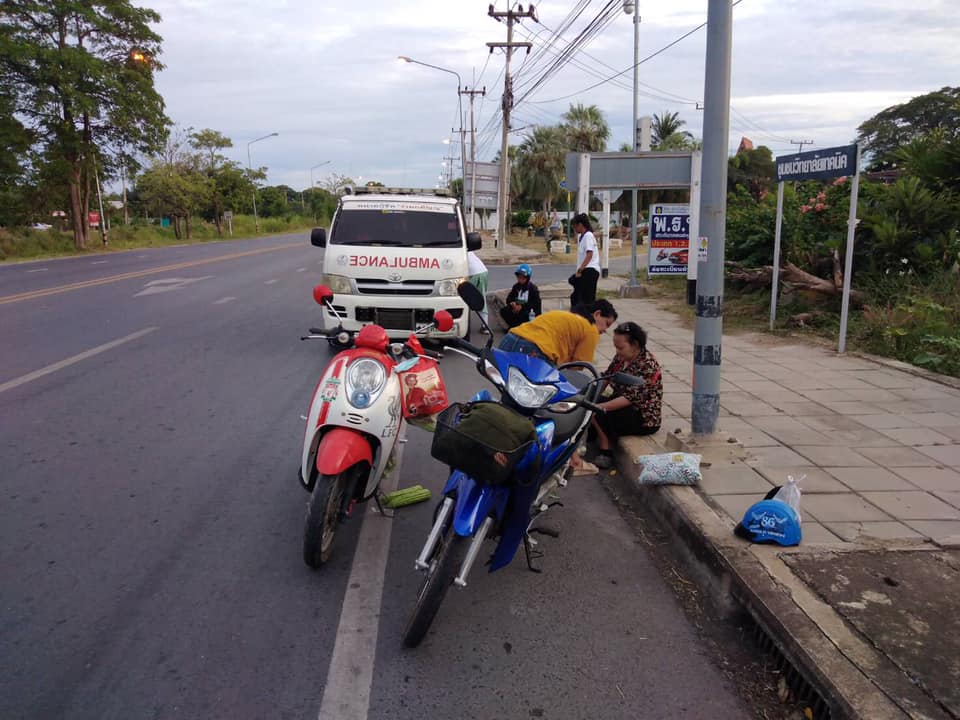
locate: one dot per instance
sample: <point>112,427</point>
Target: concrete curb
<point>920,372</point>
<point>753,579</point>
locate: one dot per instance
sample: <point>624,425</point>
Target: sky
<point>325,76</point>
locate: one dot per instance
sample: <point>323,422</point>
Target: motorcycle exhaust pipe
<point>472,552</point>
<point>445,509</point>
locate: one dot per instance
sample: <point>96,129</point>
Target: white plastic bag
<point>670,469</point>
<point>789,493</point>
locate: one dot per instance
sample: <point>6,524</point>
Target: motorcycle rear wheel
<point>323,517</point>
<point>446,561</point>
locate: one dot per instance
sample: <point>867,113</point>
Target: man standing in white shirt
<point>584,280</point>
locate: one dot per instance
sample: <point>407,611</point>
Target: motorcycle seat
<point>567,423</point>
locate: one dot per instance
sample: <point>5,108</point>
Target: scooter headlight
<point>526,393</point>
<point>366,379</point>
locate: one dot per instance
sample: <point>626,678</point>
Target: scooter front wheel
<point>323,517</point>
<point>446,560</point>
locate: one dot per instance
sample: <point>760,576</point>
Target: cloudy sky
<point>325,75</point>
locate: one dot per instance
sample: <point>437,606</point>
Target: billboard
<point>669,240</point>
<point>488,185</point>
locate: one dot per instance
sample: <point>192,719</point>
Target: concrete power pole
<point>473,157</point>
<point>503,202</point>
<point>708,332</point>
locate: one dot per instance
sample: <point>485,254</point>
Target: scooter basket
<point>483,439</point>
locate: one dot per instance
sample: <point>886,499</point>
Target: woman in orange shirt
<point>559,336</point>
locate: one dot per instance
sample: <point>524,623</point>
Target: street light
<point>325,162</point>
<point>463,142</point>
<point>630,7</point>
<point>256,220</point>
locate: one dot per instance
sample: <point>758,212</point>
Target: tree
<point>664,126</point>
<point>81,77</point>
<point>754,170</point>
<point>14,170</point>
<point>208,144</point>
<point>540,165</point>
<point>585,129</point>
<point>889,130</point>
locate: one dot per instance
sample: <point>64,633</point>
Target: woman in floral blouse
<point>631,409</point>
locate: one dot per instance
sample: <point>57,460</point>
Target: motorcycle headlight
<point>448,287</point>
<point>366,379</point>
<point>526,393</point>
<point>338,283</point>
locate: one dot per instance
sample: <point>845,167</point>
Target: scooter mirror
<point>469,293</point>
<point>322,294</point>
<point>443,320</point>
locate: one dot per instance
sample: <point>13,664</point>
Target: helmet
<point>524,269</point>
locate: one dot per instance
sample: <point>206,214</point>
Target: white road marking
<point>222,301</point>
<point>99,262</point>
<point>346,694</point>
<point>167,284</point>
<point>270,282</point>
<point>301,269</point>
<point>29,377</point>
<point>38,270</point>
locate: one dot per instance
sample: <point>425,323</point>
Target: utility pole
<point>708,332</point>
<point>801,143</point>
<point>473,156</point>
<point>503,203</point>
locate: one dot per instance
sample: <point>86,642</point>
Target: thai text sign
<point>818,164</point>
<point>669,240</point>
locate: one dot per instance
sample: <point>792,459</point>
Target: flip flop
<point>586,468</point>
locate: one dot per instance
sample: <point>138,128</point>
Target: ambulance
<point>394,256</point>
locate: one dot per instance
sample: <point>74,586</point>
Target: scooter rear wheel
<point>323,517</point>
<point>446,561</point>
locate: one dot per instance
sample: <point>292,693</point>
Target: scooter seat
<point>567,423</point>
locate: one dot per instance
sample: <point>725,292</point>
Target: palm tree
<point>585,128</point>
<point>540,165</point>
<point>665,125</point>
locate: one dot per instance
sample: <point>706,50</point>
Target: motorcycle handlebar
<point>432,354</point>
<point>461,344</point>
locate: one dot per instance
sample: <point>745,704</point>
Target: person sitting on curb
<point>522,300</point>
<point>562,336</point>
<point>630,409</point>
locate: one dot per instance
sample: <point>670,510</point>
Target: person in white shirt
<point>584,280</point>
<point>478,276</point>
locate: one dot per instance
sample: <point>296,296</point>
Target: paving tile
<point>833,456</point>
<point>868,479</point>
<point>738,479</point>
<point>944,454</point>
<point>778,456</point>
<point>741,376</point>
<point>936,530</point>
<point>853,407</point>
<point>779,397</point>
<point>884,530</point>
<point>812,479</point>
<point>941,404</point>
<point>805,408</point>
<point>758,386</point>
<point>916,436</point>
<point>752,437</point>
<point>931,478</point>
<point>735,506</point>
<point>951,432</point>
<point>850,383</point>
<point>781,422</point>
<point>934,419</point>
<point>883,421</point>
<point>951,498</point>
<point>863,437</point>
<point>813,533</point>
<point>806,382</point>
<point>897,457</point>
<point>913,505</point>
<point>872,395</point>
<point>831,422</point>
<point>925,391</point>
<point>825,396</point>
<point>887,380</point>
<point>846,507</point>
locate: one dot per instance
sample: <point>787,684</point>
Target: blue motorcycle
<point>501,492</point>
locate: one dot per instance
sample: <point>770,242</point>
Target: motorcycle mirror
<point>622,378</point>
<point>322,294</point>
<point>443,320</point>
<point>469,293</point>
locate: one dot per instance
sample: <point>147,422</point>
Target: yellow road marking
<point>33,294</point>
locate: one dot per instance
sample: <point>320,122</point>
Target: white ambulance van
<point>393,257</point>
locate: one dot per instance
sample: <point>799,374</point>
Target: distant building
<point>745,144</point>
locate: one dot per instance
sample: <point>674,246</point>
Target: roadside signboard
<point>669,240</point>
<point>487,187</point>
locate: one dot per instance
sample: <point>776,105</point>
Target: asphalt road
<point>151,520</point>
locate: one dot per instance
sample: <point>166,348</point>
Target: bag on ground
<point>670,469</point>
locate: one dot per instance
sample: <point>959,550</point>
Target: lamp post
<point>325,162</point>
<point>463,142</point>
<point>256,220</point>
<point>630,8</point>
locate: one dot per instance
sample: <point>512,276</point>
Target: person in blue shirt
<point>522,300</point>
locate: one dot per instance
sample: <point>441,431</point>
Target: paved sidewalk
<point>867,608</point>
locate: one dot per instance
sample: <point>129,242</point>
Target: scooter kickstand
<point>531,553</point>
<point>381,509</point>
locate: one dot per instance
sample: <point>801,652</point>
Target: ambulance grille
<point>376,286</point>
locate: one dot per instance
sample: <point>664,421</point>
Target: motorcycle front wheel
<point>446,561</point>
<point>323,517</point>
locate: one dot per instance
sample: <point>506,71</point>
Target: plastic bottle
<point>532,314</point>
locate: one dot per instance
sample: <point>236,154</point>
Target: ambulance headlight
<point>448,287</point>
<point>338,283</point>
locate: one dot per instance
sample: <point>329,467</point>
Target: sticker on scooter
<point>331,388</point>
